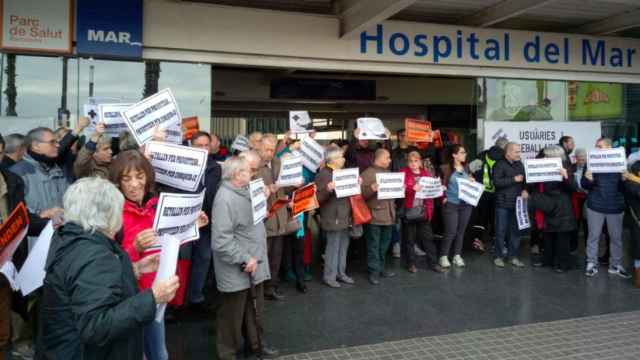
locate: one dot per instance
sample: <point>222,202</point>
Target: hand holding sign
<point>371,129</point>
<point>145,239</point>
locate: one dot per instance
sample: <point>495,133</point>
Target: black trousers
<point>274,251</point>
<point>293,258</point>
<point>234,314</point>
<point>556,250</point>
<point>419,233</point>
<point>484,218</point>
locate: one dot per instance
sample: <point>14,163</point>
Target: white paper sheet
<point>178,166</point>
<point>300,122</point>
<point>390,185</point>
<point>167,267</point>
<point>177,215</point>
<point>470,192</point>
<point>9,271</point>
<point>111,116</point>
<point>160,109</point>
<point>543,170</point>
<point>241,143</point>
<point>607,160</point>
<point>371,129</point>
<point>431,188</point>
<point>31,276</point>
<point>522,213</point>
<point>258,200</point>
<point>346,181</point>
<point>290,171</point>
<point>312,153</point>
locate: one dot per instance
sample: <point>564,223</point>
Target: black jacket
<point>495,153</point>
<point>605,193</point>
<point>555,203</point>
<point>507,189</point>
<point>91,307</point>
<point>212,177</point>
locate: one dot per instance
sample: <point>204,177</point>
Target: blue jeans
<point>507,234</point>
<point>154,342</point>
<point>201,260</point>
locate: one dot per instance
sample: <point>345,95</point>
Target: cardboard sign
<point>177,216</point>
<point>437,140</point>
<point>418,130</point>
<point>346,181</point>
<point>290,171</point>
<point>241,143</point>
<point>258,200</point>
<point>390,185</point>
<point>160,110</point>
<point>190,125</point>
<point>304,199</point>
<point>178,166</point>
<point>371,129</point>
<point>522,213</point>
<point>543,170</point>
<point>431,188</point>
<point>469,191</point>
<point>312,153</point>
<point>607,160</point>
<point>279,204</point>
<point>300,122</point>
<point>12,231</point>
<point>111,116</point>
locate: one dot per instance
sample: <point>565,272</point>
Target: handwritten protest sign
<point>160,110</point>
<point>181,167</point>
<point>304,199</point>
<point>177,215</point>
<point>290,171</point>
<point>258,200</point>
<point>390,185</point>
<point>418,130</point>
<point>312,153</point>
<point>371,129</point>
<point>607,160</point>
<point>31,275</point>
<point>469,191</point>
<point>543,170</point>
<point>111,116</point>
<point>13,230</point>
<point>431,188</point>
<point>300,122</point>
<point>522,214</point>
<point>241,143</point>
<point>346,181</point>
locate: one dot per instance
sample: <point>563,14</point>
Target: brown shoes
<point>412,269</point>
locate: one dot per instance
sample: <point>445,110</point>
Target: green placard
<point>591,101</point>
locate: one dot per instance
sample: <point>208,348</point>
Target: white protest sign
<point>534,136</point>
<point>9,271</point>
<point>371,129</point>
<point>177,215</point>
<point>178,166</point>
<point>241,143</point>
<point>470,191</point>
<point>312,153</point>
<point>290,171</point>
<point>346,181</point>
<point>431,188</point>
<point>258,200</point>
<point>31,275</point>
<point>390,185</point>
<point>167,267</point>
<point>522,213</point>
<point>300,122</point>
<point>92,112</point>
<point>161,110</point>
<point>607,160</point>
<point>543,170</point>
<point>111,116</point>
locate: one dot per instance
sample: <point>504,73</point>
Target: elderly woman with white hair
<point>554,200</point>
<point>91,307</point>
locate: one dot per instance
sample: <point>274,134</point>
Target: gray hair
<point>232,166</point>
<point>13,143</point>
<point>581,152</point>
<point>127,142</point>
<point>333,153</point>
<point>36,135</point>
<point>502,142</point>
<point>509,145</point>
<point>249,155</point>
<point>269,138</point>
<point>95,204</point>
<point>103,140</point>
<point>553,151</point>
<point>606,141</point>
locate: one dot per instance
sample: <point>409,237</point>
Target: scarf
<point>47,161</point>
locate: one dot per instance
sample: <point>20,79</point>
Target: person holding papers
<point>605,204</point>
<point>509,181</point>
<point>91,305</point>
<point>417,215</point>
<point>383,212</point>
<point>241,263</point>
<point>456,213</point>
<point>95,156</point>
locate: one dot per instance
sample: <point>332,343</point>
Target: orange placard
<point>279,204</point>
<point>189,126</point>
<point>12,231</point>
<point>304,199</point>
<point>418,130</point>
<point>437,140</point>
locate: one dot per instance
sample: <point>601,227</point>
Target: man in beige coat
<point>378,232</point>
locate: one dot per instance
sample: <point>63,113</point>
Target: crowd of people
<point>99,297</point>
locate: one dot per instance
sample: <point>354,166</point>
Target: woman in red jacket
<point>134,176</point>
<point>417,215</point>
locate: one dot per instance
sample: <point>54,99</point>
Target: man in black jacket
<point>509,182</point>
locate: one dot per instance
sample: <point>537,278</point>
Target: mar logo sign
<point>109,28</point>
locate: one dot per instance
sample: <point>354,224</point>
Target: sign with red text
<point>36,25</point>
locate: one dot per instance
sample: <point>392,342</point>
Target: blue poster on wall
<point>109,28</point>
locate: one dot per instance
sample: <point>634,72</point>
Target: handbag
<point>359,210</point>
<point>415,214</point>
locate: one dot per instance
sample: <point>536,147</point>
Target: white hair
<point>95,204</point>
<point>103,140</point>
<point>333,153</point>
<point>554,151</point>
<point>581,152</point>
<point>232,166</point>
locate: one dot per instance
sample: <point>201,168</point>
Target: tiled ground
<point>603,337</point>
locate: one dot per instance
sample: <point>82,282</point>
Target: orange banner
<point>418,130</point>
<point>279,204</point>
<point>304,199</point>
<point>12,231</point>
<point>437,140</point>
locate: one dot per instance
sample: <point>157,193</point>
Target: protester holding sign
<point>456,212</point>
<point>416,217</point>
<point>240,262</point>
<point>335,221</point>
<point>559,222</point>
<point>95,156</point>
<point>510,182</point>
<point>605,203</point>
<point>378,232</point>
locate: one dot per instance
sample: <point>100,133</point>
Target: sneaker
<point>419,251</point>
<point>444,262</point>
<point>498,262</point>
<point>346,279</point>
<point>412,269</point>
<point>332,283</point>
<point>535,250</point>
<point>620,271</point>
<point>457,261</point>
<point>517,263</point>
<point>395,252</point>
<point>439,269</point>
<point>592,270</point>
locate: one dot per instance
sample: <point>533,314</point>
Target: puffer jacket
<point>554,201</point>
<point>335,214</point>
<point>44,186</point>
<point>605,193</point>
<point>235,239</point>
<point>507,189</point>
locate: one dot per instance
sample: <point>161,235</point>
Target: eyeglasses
<point>52,142</point>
